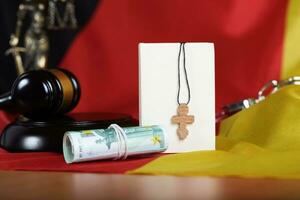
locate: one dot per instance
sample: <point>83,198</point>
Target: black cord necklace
<point>182,119</point>
<point>182,49</point>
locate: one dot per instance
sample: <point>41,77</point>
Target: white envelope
<point>158,80</point>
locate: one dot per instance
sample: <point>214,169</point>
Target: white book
<point>158,81</point>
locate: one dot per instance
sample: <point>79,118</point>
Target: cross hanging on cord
<point>183,119</point>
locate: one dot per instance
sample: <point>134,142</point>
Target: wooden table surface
<point>54,186</point>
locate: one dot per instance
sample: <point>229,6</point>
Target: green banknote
<point>79,146</point>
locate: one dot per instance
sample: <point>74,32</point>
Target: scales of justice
<point>29,44</point>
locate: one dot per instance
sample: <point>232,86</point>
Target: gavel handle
<point>6,101</point>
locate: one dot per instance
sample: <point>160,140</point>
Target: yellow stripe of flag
<point>291,54</point>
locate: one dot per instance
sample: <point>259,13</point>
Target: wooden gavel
<point>41,93</point>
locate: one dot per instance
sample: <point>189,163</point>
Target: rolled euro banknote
<point>113,143</point>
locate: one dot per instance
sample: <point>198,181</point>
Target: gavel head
<point>42,93</point>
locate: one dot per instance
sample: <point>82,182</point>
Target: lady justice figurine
<point>42,15</point>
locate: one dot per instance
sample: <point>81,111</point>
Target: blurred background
<point>60,41</point>
<point>255,41</point>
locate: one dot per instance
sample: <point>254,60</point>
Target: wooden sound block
<point>46,135</point>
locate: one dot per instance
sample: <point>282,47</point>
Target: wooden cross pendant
<point>182,119</point>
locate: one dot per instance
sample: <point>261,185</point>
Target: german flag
<point>255,42</point>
